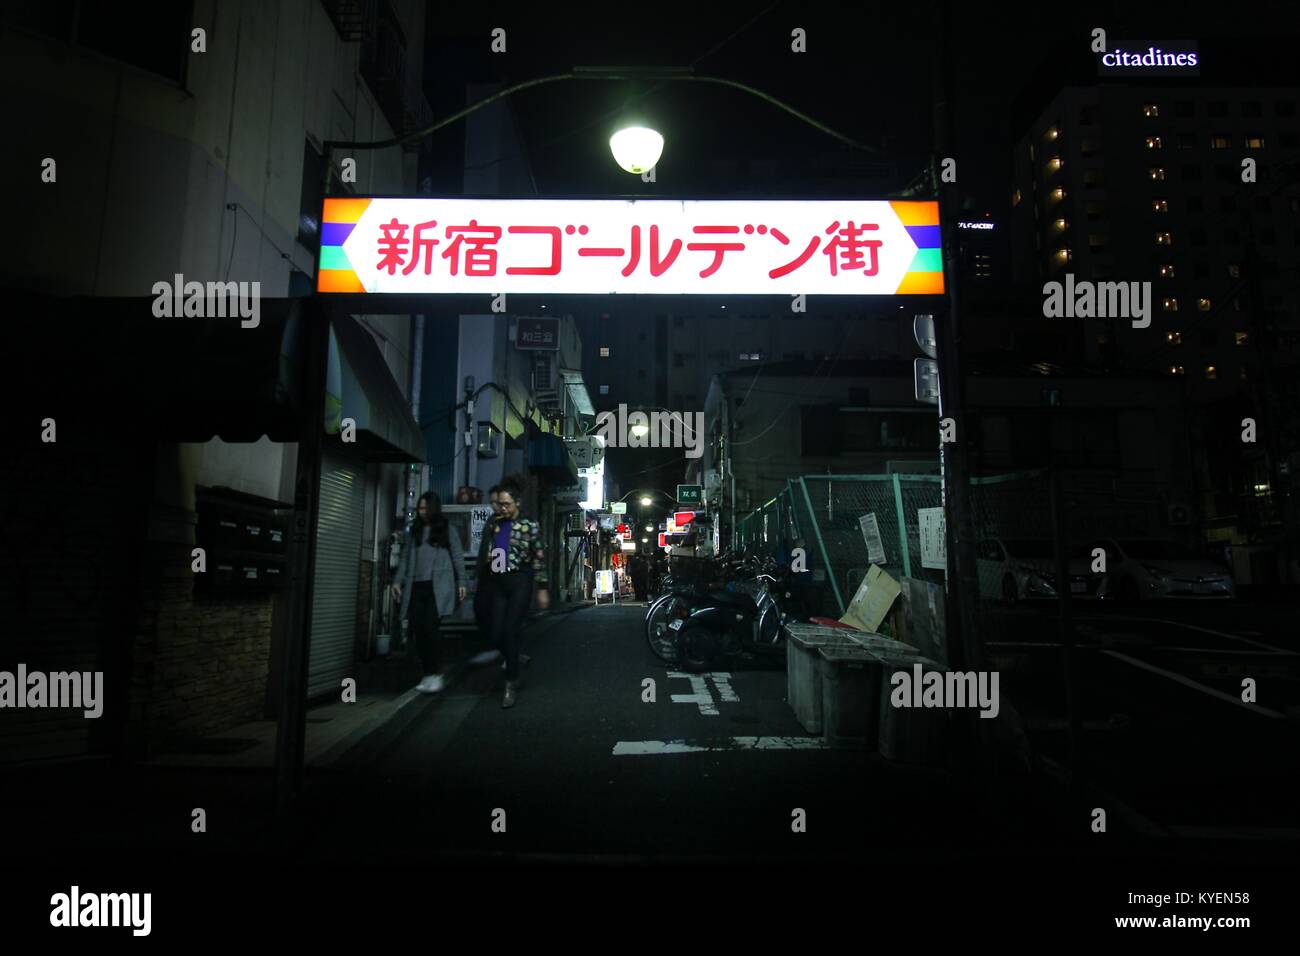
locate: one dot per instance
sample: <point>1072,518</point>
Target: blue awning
<point>549,458</point>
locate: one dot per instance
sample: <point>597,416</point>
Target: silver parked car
<point>1142,570</point>
<point>1023,569</point>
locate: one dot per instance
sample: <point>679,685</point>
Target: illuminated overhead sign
<point>639,247</point>
<point>683,518</point>
<point>1171,58</point>
<point>975,225</point>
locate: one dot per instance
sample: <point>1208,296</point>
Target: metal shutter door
<point>338,570</point>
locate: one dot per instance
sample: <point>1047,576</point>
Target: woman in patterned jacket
<point>516,560</point>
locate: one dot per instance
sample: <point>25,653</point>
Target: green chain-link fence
<point>825,515</point>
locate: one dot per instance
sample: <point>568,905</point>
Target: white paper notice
<point>871,534</point>
<point>934,546</point>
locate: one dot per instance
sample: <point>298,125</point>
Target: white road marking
<point>1187,681</point>
<point>637,748</point>
<point>1191,627</point>
<point>722,681</point>
<point>700,696</point>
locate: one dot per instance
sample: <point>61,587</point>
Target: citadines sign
<point>1171,58</point>
<point>641,247</point>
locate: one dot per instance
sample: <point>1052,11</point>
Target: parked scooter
<point>734,622</point>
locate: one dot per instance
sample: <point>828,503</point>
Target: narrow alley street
<point>582,766</point>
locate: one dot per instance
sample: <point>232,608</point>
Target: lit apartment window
<point>1241,338</point>
<point>1157,173</point>
<point>604,390</point>
<point>1055,163</point>
<point>1060,225</point>
<point>1015,198</point>
<point>1166,272</point>
<point>1218,142</point>
<point>1175,370</point>
<point>1164,239</point>
<point>1052,133</point>
<point>604,351</point>
<point>1159,205</point>
<point>1234,270</point>
<point>1057,194</point>
<point>1062,255</point>
<point>1254,142</point>
<point>1153,142</point>
<point>1170,305</point>
<point>1175,338</point>
<point>1211,372</point>
<point>1151,111</point>
<point>1204,304</point>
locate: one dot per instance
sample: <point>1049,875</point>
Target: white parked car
<point>1141,570</point>
<point>1022,569</point>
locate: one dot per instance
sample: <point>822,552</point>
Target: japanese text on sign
<point>636,247</point>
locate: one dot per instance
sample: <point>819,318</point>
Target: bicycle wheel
<point>662,640</point>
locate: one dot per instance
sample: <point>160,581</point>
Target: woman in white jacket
<point>430,583</point>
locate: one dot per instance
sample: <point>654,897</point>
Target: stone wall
<point>201,662</point>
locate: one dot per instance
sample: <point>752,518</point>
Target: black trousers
<point>512,592</point>
<point>423,615</point>
<point>483,602</point>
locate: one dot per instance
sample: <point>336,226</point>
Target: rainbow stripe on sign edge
<point>921,220</point>
<point>925,275</point>
<point>339,218</point>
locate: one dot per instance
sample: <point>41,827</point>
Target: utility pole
<point>965,649</point>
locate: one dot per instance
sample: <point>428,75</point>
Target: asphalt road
<point>571,767</point>
<point>1165,731</point>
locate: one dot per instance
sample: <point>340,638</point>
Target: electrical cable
<point>635,98</point>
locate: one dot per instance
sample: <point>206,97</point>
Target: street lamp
<point>646,501</point>
<point>636,148</point>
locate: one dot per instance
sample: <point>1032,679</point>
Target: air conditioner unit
<point>1180,514</point>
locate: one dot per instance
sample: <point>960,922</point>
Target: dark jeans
<point>423,615</point>
<point>512,592</point>
<point>483,602</point>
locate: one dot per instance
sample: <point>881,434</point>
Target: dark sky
<point>867,74</point>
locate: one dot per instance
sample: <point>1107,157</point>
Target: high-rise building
<point>1145,184</point>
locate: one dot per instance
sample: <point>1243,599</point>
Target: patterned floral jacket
<point>526,548</point>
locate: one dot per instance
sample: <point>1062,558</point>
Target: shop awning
<point>359,386</point>
<point>549,458</point>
